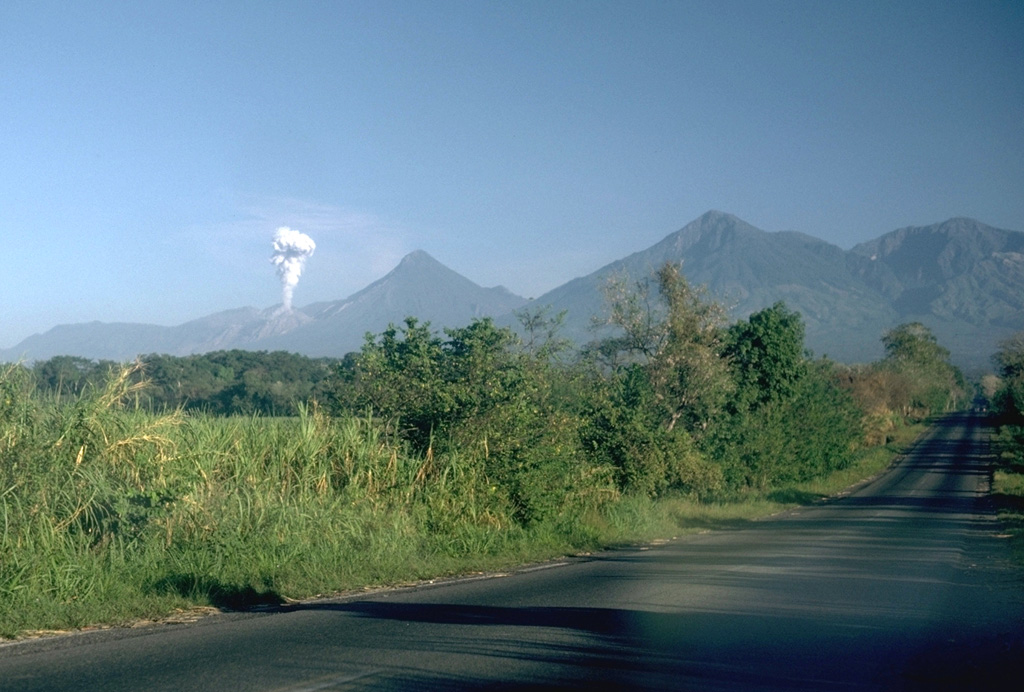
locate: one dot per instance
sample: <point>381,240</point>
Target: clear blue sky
<point>149,150</point>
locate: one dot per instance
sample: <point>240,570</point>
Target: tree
<point>625,429</point>
<point>70,374</point>
<point>540,330</point>
<point>476,396</point>
<point>913,345</point>
<point>678,341</point>
<point>666,381</point>
<point>691,370</point>
<point>440,389</point>
<point>235,382</point>
<point>400,377</point>
<point>640,319</point>
<point>1010,360</point>
<point>766,353</point>
<point>1010,356</point>
<point>489,383</point>
<point>935,385</point>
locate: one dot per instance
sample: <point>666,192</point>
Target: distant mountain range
<point>963,279</point>
<point>419,286</point>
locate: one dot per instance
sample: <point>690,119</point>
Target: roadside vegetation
<point>231,479</point>
<point>1005,395</point>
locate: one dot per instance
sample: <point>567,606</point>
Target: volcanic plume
<point>291,249</point>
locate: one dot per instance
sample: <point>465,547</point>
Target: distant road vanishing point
<point>901,585</point>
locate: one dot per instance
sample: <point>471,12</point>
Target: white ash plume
<point>291,250</point>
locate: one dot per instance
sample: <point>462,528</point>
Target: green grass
<point>110,515</point>
<point>689,515</point>
<point>1008,488</point>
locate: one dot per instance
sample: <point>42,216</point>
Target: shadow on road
<point>603,621</point>
<point>220,595</point>
<point>611,648</point>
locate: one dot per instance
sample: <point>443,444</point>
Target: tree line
<point>221,383</point>
<point>676,400</point>
<point>1006,390</point>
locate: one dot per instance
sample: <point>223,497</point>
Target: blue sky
<point>149,150</point>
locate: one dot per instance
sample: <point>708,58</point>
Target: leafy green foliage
<point>625,431</point>
<point>810,431</point>
<point>913,344</point>
<point>235,382</point>
<point>541,333</point>
<point>932,384</point>
<point>477,393</point>
<point>790,420</point>
<point>690,376</point>
<point>71,375</point>
<point>766,353</point>
<point>1010,356</point>
<point>1009,398</point>
<point>400,379</point>
<point>221,382</point>
<point>1008,394</point>
<point>747,397</point>
<point>678,341</point>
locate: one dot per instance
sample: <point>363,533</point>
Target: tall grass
<point>109,513</point>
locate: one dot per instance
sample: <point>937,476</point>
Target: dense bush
<point>624,431</point>
<point>915,380</point>
<point>791,420</point>
<point>1008,399</point>
<point>476,393</point>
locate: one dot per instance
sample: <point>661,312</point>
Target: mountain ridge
<point>962,278</point>
<point>747,269</point>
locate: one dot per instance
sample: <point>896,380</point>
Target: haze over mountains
<point>963,279</point>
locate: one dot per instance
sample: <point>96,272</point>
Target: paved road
<point>900,585</point>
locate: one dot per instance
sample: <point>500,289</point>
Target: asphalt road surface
<point>903,584</point>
